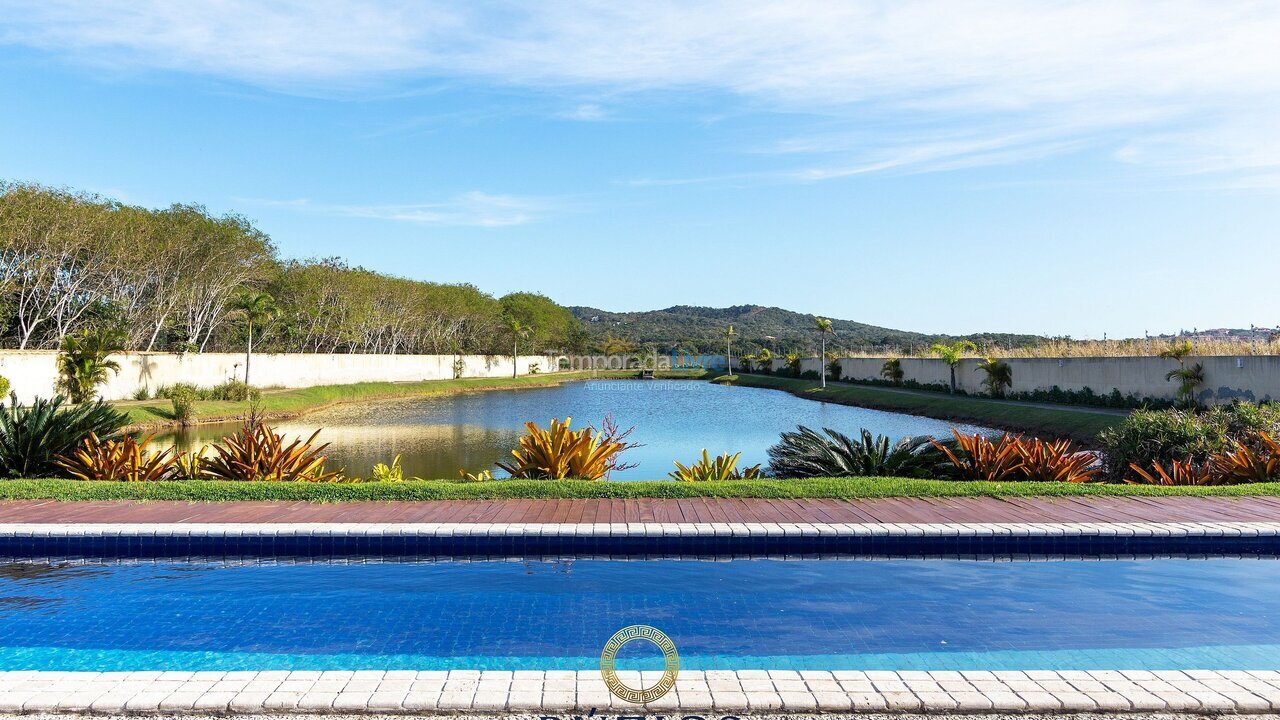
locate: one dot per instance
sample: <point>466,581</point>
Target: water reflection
<point>674,420</point>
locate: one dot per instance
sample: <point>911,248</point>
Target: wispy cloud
<point>586,112</point>
<point>1188,80</point>
<point>473,209</point>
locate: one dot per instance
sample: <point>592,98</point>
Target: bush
<point>809,375</point>
<point>231,391</point>
<point>559,453</point>
<point>123,460</point>
<point>4,387</point>
<point>183,397</point>
<point>32,436</point>
<point>257,452</point>
<point>1148,437</point>
<point>807,453</point>
<point>142,393</point>
<point>720,468</point>
<point>975,457</point>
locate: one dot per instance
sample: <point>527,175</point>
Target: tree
<point>1189,378</point>
<point>728,347</point>
<point>518,332</point>
<point>823,326</point>
<point>951,355</point>
<point>892,371</point>
<point>612,345</point>
<point>549,325</point>
<point>764,360</point>
<point>253,308</point>
<point>83,363</point>
<point>999,376</point>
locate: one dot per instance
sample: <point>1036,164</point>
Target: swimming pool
<point>773,614</point>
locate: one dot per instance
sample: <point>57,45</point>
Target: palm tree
<point>951,354</point>
<point>764,361</point>
<point>892,371</point>
<point>254,308</point>
<point>83,364</point>
<point>728,347</point>
<point>999,376</point>
<point>1189,378</point>
<point>824,328</point>
<point>518,332</point>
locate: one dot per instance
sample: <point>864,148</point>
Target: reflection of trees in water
<point>431,451</point>
<point>20,577</point>
<point>38,571</point>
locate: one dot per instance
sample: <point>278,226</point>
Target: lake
<point>673,419</point>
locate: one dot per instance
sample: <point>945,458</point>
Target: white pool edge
<point>1034,529</point>
<point>558,692</point>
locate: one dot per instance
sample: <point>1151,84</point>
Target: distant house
<point>595,318</point>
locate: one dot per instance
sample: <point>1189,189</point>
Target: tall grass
<point>1061,348</point>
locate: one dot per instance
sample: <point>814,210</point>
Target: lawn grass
<point>281,404</point>
<point>221,491</point>
<point>1077,423</point>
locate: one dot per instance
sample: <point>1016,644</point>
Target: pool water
<point>673,420</point>
<point>740,614</point>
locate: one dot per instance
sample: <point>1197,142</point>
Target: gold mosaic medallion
<point>608,668</point>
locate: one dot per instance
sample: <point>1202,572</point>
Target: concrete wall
<point>34,372</point>
<point>1247,377</point>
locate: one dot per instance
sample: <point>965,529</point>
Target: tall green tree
<point>951,355</point>
<point>728,347</point>
<point>519,332</point>
<point>253,308</point>
<point>824,329</point>
<point>549,326</point>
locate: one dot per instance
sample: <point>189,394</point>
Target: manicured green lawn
<point>1077,423</point>
<point>209,490</point>
<point>277,404</point>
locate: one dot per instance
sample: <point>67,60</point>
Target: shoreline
<point>1073,422</point>
<point>293,403</point>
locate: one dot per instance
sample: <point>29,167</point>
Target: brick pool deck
<point>1021,510</point>
<point>743,692</point>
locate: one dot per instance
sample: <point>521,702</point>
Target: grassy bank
<point>219,491</point>
<point>1078,423</point>
<point>282,404</point>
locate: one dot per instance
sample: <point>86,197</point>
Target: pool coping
<point>190,540</point>
<point>741,692</point>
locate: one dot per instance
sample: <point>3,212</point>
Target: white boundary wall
<point>1226,378</point>
<point>33,373</point>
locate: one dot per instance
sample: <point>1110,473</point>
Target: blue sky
<point>1054,167</point>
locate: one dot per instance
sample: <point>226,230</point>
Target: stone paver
<point>744,691</point>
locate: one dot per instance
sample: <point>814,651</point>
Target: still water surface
<point>672,419</point>
<point>743,614</point>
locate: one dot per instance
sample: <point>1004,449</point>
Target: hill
<point>701,329</point>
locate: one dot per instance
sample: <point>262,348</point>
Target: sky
<point>1051,166</point>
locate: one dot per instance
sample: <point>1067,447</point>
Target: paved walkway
<point>725,692</point>
<point>687,510</point>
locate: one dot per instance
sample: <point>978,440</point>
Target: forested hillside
<point>701,329</point>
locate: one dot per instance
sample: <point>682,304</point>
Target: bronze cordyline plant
<point>123,460</point>
<point>257,452</point>
<point>559,453</point>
